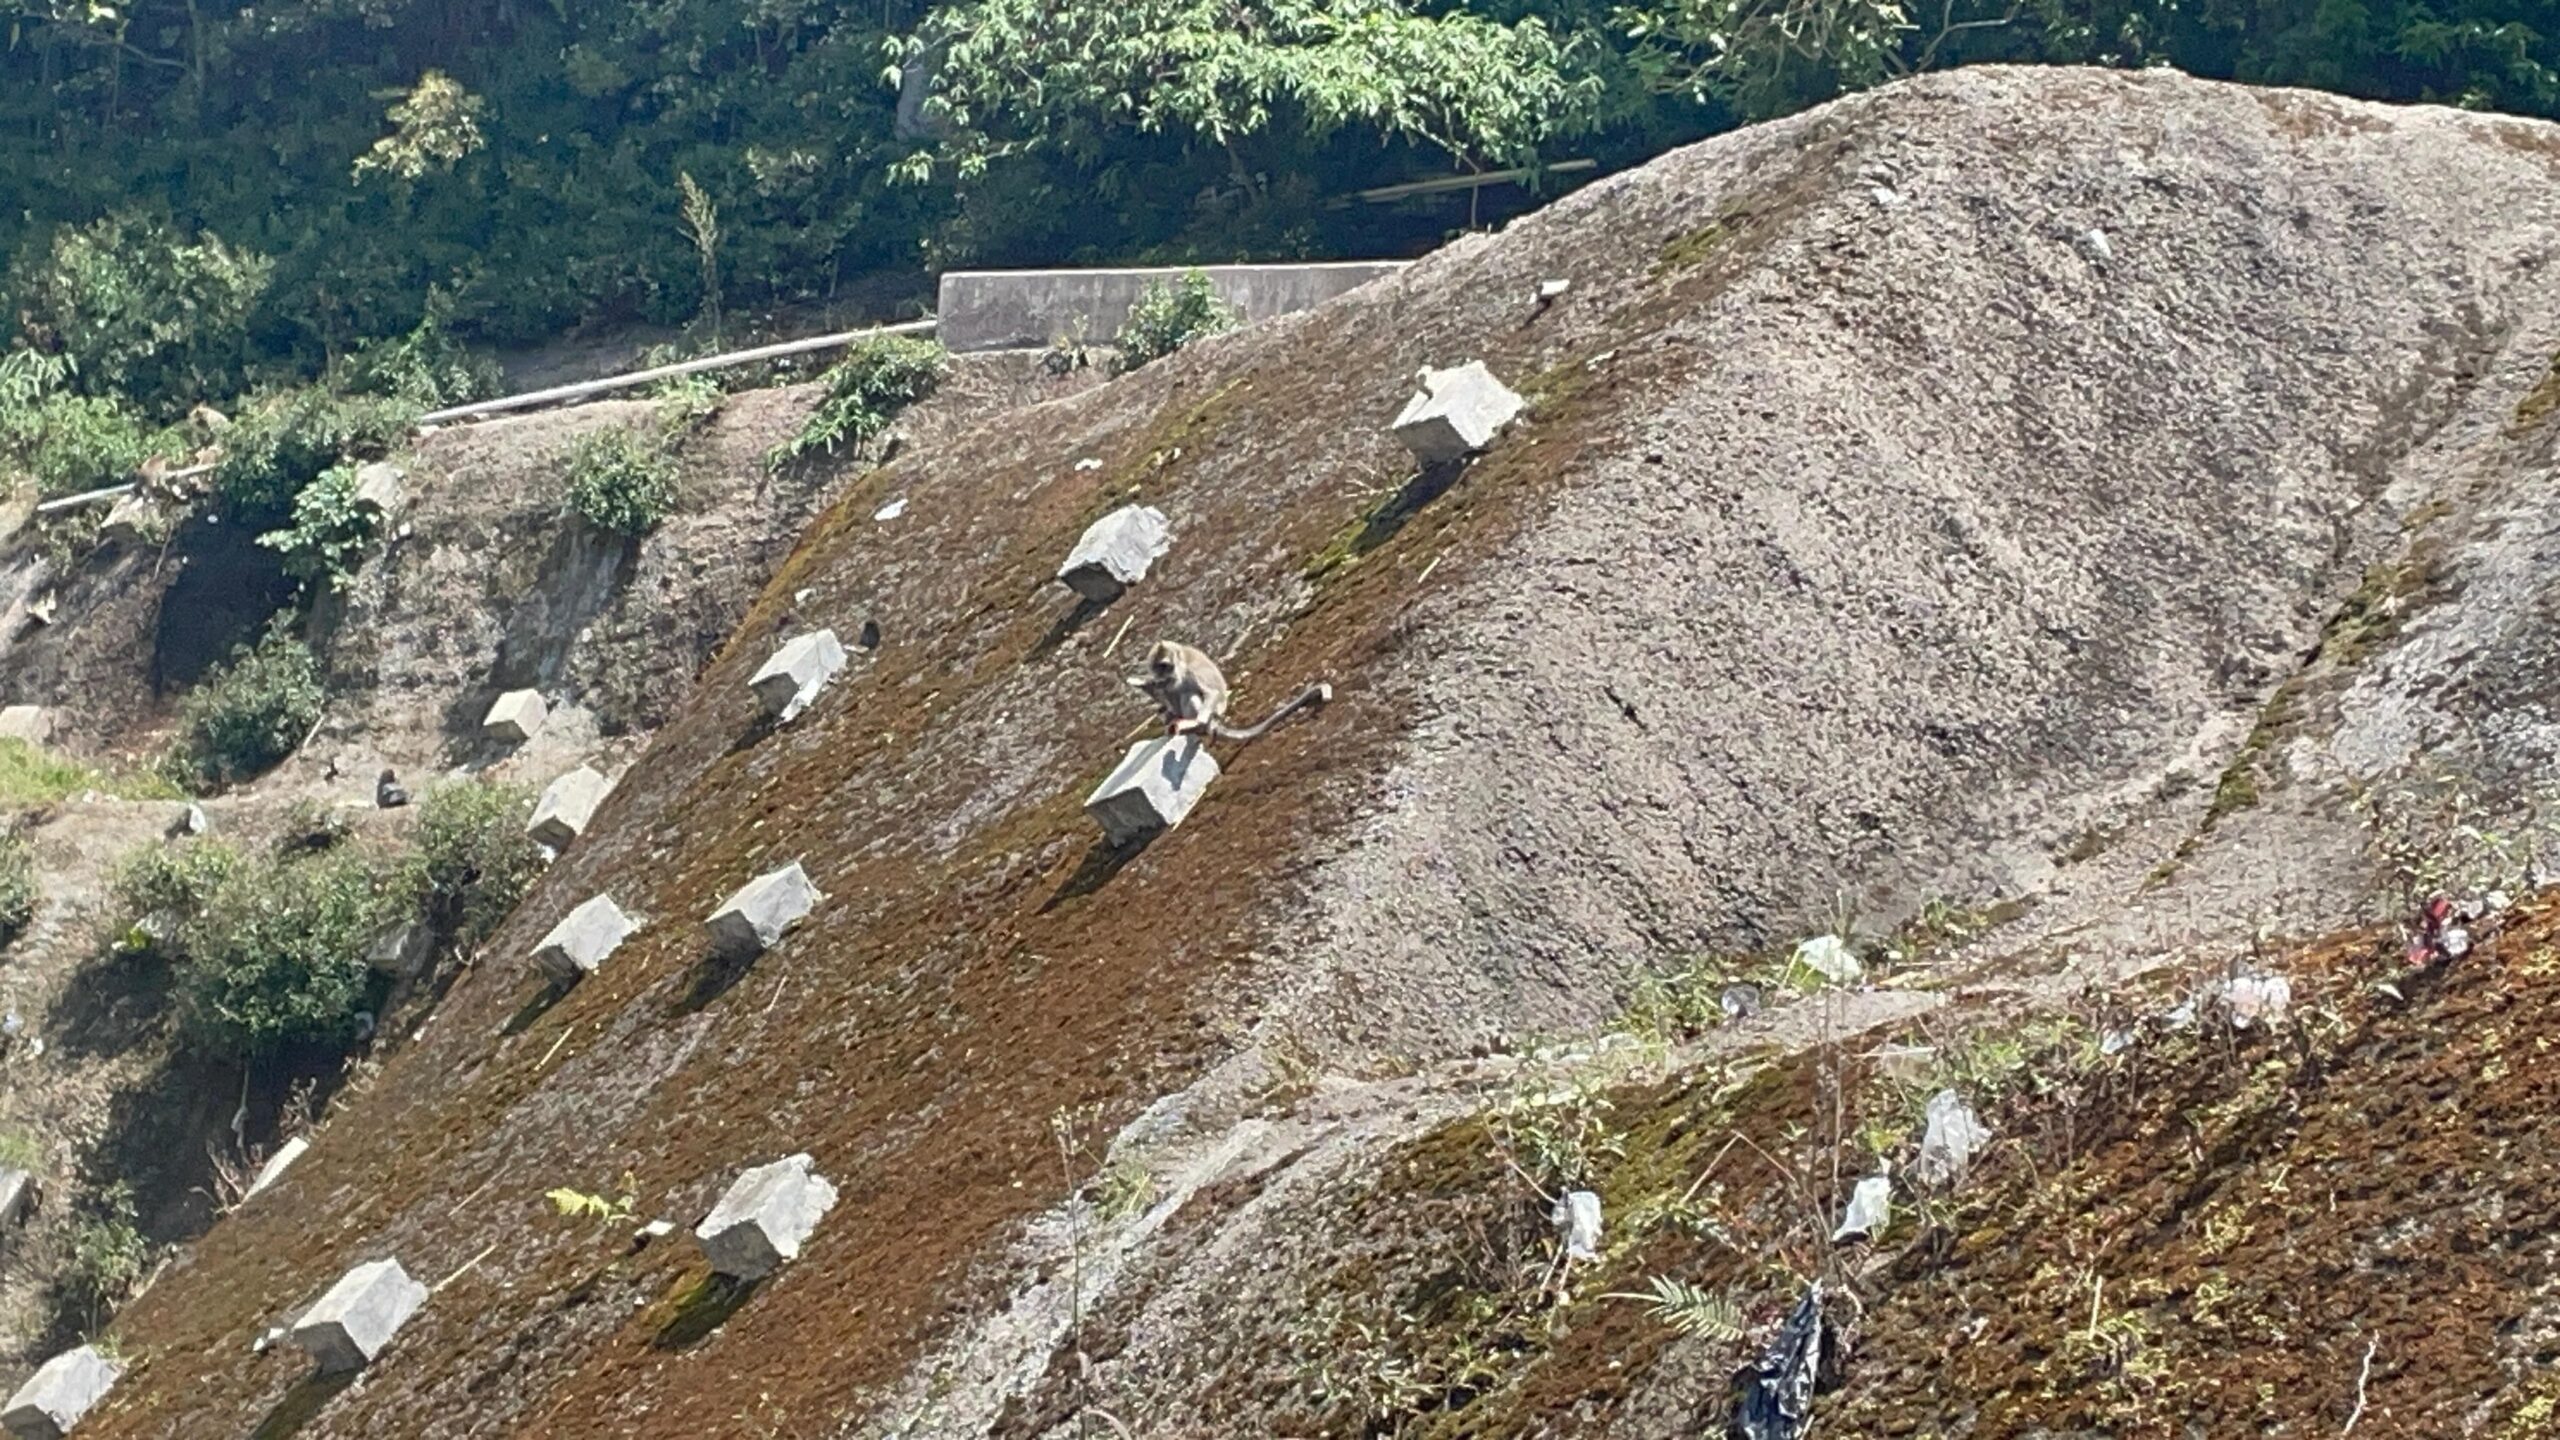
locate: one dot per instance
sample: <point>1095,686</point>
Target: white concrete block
<point>31,723</point>
<point>1155,786</point>
<point>17,1194</point>
<point>753,920</point>
<point>1114,553</point>
<point>382,488</point>
<point>797,672</point>
<point>567,804</point>
<point>277,1164</point>
<point>58,1394</point>
<point>1455,413</point>
<point>765,1218</point>
<point>582,940</point>
<point>357,1318</point>
<point>517,717</point>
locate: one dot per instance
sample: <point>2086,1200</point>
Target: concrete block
<point>58,1394</point>
<point>357,1318</point>
<point>403,950</point>
<point>582,940</point>
<point>1156,784</point>
<point>31,723</point>
<point>382,488</point>
<point>517,717</point>
<point>277,1164</point>
<point>567,804</point>
<point>751,921</point>
<point>765,1218</point>
<point>797,672</point>
<point>17,1194</point>
<point>1026,309</point>
<point>1114,553</point>
<point>1455,413</point>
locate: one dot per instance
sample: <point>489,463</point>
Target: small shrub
<point>161,318</point>
<point>621,482</point>
<point>108,1253</point>
<point>276,953</point>
<point>686,401</point>
<point>17,886</point>
<point>330,532</point>
<point>163,890</point>
<point>250,714</point>
<point>427,368</point>
<point>286,442</point>
<point>474,861</point>
<point>865,391</point>
<point>1167,317</point>
<point>65,444</point>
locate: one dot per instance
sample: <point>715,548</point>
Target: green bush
<point>108,1253</point>
<point>163,319</point>
<point>275,952</point>
<point>250,714</point>
<point>1168,317</point>
<point>330,533</point>
<point>17,886</point>
<point>285,443</point>
<point>69,443</point>
<point>474,861</point>
<point>427,368</point>
<point>163,890</point>
<point>865,391</point>
<point>621,481</point>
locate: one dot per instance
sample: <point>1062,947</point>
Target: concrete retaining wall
<point>1025,309</point>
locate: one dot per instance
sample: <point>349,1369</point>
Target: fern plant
<point>1689,1310</point>
<point>579,1205</point>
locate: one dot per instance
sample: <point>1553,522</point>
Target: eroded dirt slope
<point>1912,490</point>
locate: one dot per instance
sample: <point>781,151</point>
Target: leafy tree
<point>161,318</point>
<point>251,713</point>
<point>276,956</point>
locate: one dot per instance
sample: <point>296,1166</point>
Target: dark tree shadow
<point>303,1403</point>
<point>701,1307</point>
<point>536,1005</point>
<point>713,976</point>
<point>112,1003</point>
<point>1100,863</point>
<point>1068,624</point>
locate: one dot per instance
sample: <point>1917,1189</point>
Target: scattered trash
<point>2256,998</point>
<point>2115,1042</point>
<point>190,821</point>
<point>892,510</point>
<point>2183,1016</point>
<point>1577,1216</point>
<point>2094,245</point>
<point>1088,463</point>
<point>1831,958</point>
<point>1949,1144</point>
<point>1773,1395</point>
<point>1739,1002</point>
<point>1909,1064</point>
<point>2455,942</point>
<point>1870,1208</point>
<point>2448,930</point>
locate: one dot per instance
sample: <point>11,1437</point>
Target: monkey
<point>388,793</point>
<point>1192,695</point>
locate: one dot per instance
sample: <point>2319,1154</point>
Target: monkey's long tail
<point>1316,694</point>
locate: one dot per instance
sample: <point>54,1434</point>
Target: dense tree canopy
<point>205,191</point>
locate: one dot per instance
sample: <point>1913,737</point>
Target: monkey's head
<point>387,778</point>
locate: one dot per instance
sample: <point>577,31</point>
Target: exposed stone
<point>765,1218</point>
<point>797,672</point>
<point>277,1164</point>
<point>516,717</point>
<point>582,940</point>
<point>134,520</point>
<point>190,821</point>
<point>403,950</point>
<point>1114,553</point>
<point>31,723</point>
<point>1953,1136</point>
<point>17,1194</point>
<point>350,1326</point>
<point>1831,958</point>
<point>567,804</point>
<point>1739,1002</point>
<point>58,1394</point>
<point>1455,413</point>
<point>751,921</point>
<point>1551,291</point>
<point>1155,785</point>
<point>1577,1219</point>
<point>382,488</point>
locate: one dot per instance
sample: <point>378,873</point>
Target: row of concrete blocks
<point>760,1223</point>
<point>751,921</point>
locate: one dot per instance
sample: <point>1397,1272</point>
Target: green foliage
<point>108,1253</point>
<point>876,379</point>
<point>288,441</point>
<point>19,1151</point>
<point>622,481</point>
<point>274,953</point>
<point>161,318</point>
<point>578,1204</point>
<point>433,128</point>
<point>251,713</point>
<point>330,532</point>
<point>65,443</point>
<point>474,860</point>
<point>1167,317</point>
<point>1691,1311</point>
<point>426,369</point>
<point>161,890</point>
<point>18,894</point>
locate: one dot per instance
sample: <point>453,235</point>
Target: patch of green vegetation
<point>621,482</point>
<point>875,380</point>
<point>18,893</point>
<point>1168,316</point>
<point>108,1253</point>
<point>248,715</point>
<point>330,532</point>
<point>276,954</point>
<point>19,1151</point>
<point>474,860</point>
<point>284,443</point>
<point>32,776</point>
<point>1692,248</point>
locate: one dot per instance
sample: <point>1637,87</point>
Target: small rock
<point>892,510</point>
<point>2093,244</point>
<point>190,821</point>
<point>1739,1002</point>
<point>1886,197</point>
<point>1088,463</point>
<point>1551,291</point>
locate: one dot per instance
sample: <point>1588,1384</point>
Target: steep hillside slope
<point>1924,497</point>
